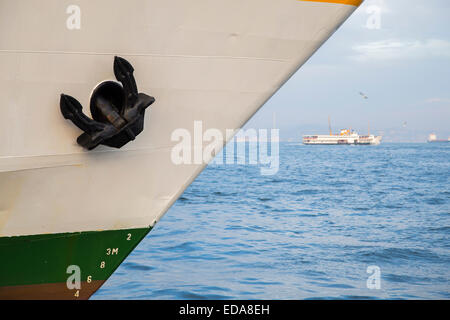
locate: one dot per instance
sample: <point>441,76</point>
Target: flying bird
<point>363,95</point>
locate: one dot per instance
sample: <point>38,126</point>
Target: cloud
<point>397,49</point>
<point>369,5</point>
<point>437,100</point>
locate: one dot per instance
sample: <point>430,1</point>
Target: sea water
<point>346,222</point>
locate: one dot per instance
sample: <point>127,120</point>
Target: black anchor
<point>117,110</point>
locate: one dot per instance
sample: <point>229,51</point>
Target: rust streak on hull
<point>49,291</point>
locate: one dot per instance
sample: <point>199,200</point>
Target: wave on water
<point>309,232</point>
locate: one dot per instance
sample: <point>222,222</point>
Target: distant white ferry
<point>345,137</point>
<point>433,138</point>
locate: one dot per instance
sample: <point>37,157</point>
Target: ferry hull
<point>212,61</point>
<point>354,139</point>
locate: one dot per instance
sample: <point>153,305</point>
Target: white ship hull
<point>330,139</point>
<point>208,60</point>
<point>341,140</point>
<point>369,140</point>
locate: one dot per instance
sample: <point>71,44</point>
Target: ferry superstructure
<point>345,137</point>
<point>69,212</point>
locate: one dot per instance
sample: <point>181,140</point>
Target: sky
<point>399,58</point>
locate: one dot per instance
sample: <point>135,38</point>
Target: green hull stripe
<point>44,259</point>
